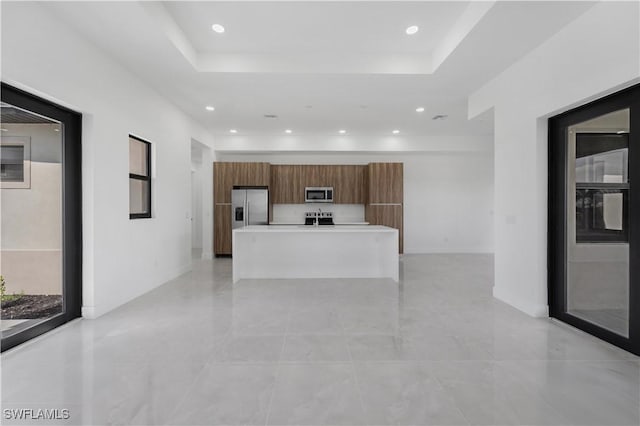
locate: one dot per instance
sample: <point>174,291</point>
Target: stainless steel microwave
<point>316,194</point>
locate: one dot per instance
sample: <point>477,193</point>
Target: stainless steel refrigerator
<point>249,206</point>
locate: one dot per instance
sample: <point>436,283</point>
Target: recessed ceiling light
<point>620,132</point>
<point>439,117</point>
<point>56,130</point>
<point>420,109</point>
<point>4,130</point>
<point>209,108</point>
<point>412,29</point>
<point>233,131</point>
<point>342,132</point>
<point>288,131</point>
<point>217,28</point>
<point>395,132</point>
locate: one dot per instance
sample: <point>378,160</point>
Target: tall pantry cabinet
<point>385,196</point>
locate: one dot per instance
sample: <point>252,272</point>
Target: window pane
<point>31,232</point>
<point>138,196</point>
<point>12,154</point>
<point>598,221</point>
<point>602,158</point>
<point>138,152</point>
<point>12,163</point>
<point>600,215</point>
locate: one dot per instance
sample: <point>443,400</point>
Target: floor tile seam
<point>571,360</point>
<point>312,334</point>
<point>353,369</point>
<point>182,400</point>
<point>199,376</point>
<point>529,385</point>
<point>277,371</point>
<point>450,397</point>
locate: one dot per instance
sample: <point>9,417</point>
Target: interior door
<point>594,220</point>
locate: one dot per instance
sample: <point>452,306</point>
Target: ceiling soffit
<point>329,61</point>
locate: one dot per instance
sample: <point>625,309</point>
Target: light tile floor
<point>435,350</point>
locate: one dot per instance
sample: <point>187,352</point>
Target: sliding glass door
<point>40,235</point>
<point>594,218</point>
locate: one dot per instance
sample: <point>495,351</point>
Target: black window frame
<point>71,210</point>
<point>147,178</point>
<point>557,214</point>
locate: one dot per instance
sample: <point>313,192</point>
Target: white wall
<point>448,196</point>
<point>196,205</point>
<point>122,258</point>
<point>595,55</point>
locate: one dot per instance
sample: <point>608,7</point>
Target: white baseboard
<point>93,312</point>
<point>457,250</point>
<point>531,309</point>
<point>88,312</point>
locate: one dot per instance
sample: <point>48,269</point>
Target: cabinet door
<point>314,175</point>
<point>286,185</point>
<point>387,215</point>
<point>349,184</point>
<point>222,229</point>
<point>222,181</point>
<point>251,174</point>
<point>385,182</point>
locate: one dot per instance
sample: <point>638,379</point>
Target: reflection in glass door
<point>598,225</point>
<point>40,224</point>
<point>594,218</point>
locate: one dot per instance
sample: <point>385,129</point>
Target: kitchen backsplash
<point>294,213</point>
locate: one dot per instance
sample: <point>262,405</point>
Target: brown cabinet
<point>226,175</point>
<point>349,184</point>
<point>385,196</point>
<point>385,182</point>
<point>287,184</point>
<point>289,181</point>
<point>222,229</point>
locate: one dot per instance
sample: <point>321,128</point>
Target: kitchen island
<point>299,251</point>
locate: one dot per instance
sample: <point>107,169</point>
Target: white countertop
<point>336,224</point>
<point>312,228</point>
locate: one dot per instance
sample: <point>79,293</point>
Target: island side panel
<point>315,254</point>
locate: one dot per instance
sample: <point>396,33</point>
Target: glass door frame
<point>557,214</point>
<point>71,210</point>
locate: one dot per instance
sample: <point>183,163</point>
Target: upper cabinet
<point>289,181</point>
<point>226,175</point>
<point>222,182</point>
<point>287,186</point>
<point>349,184</point>
<point>385,183</point>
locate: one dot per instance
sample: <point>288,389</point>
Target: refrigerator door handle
<point>248,216</point>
